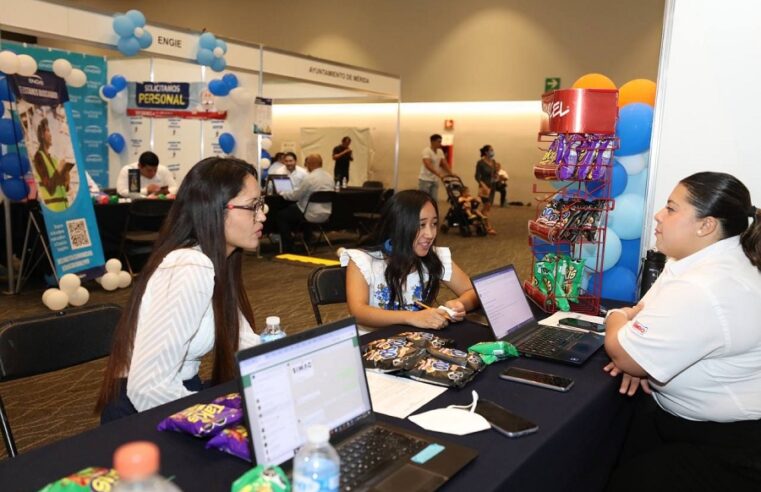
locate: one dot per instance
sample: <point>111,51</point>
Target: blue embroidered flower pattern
<point>383,296</point>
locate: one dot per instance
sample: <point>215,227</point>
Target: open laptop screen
<point>318,380</point>
<point>503,300</point>
<point>282,184</point>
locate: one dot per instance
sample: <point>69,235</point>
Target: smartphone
<point>503,421</point>
<point>535,378</point>
<point>584,325</point>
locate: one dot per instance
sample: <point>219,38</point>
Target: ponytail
<point>751,238</point>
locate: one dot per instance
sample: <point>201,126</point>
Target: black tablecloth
<point>579,434</point>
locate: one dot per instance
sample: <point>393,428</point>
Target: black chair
<point>142,227</point>
<point>327,285</point>
<point>367,221</point>
<point>42,344</point>
<point>318,197</point>
<point>372,184</point>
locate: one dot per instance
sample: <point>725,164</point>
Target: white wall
<point>706,105</point>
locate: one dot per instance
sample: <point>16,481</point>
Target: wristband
<point>611,311</point>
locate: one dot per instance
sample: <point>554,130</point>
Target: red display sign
<point>580,111</point>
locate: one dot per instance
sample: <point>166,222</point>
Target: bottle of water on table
<point>137,464</point>
<point>272,329</point>
<point>316,466</point>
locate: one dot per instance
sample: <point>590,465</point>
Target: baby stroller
<point>457,215</point>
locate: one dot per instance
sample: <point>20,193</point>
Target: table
<point>579,435</point>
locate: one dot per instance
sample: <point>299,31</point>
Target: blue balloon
<point>207,41</point>
<point>116,142</point>
<point>218,88</point>
<point>223,45</point>
<point>2,109</point>
<point>637,184</point>
<point>230,80</point>
<point>109,91</point>
<point>630,255</point>
<point>128,46</point>
<point>145,40</point>
<point>611,250</point>
<point>15,188</point>
<point>619,178</point>
<point>123,26</point>
<point>265,154</point>
<point>618,283</point>
<point>119,82</point>
<point>204,57</point>
<point>14,165</point>
<point>227,142</point>
<point>635,124</point>
<point>5,92</point>
<point>541,247</point>
<point>10,131</point>
<point>137,17</point>
<point>626,217</point>
<point>218,64</point>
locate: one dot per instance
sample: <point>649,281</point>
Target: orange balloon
<point>593,81</point>
<point>637,90</point>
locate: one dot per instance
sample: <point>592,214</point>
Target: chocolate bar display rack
<point>570,224</point>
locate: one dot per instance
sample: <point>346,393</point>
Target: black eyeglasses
<point>259,204</point>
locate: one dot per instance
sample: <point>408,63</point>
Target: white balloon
<point>119,103</point>
<point>113,265</point>
<point>266,143</point>
<point>138,32</point>
<point>57,300</point>
<point>264,163</point>
<point>634,164</point>
<point>222,103</point>
<point>8,62</point>
<point>62,68</point>
<point>69,283</point>
<point>46,295</point>
<point>340,251</point>
<point>241,96</point>
<point>124,279</point>
<point>26,65</point>
<point>218,52</point>
<point>79,297</point>
<point>77,78</point>
<point>110,281</point>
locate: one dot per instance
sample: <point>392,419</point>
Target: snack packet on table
<point>233,440</point>
<point>440,372</point>
<point>426,340</point>
<point>492,352</point>
<point>391,354</point>
<point>262,479</point>
<point>465,359</point>
<point>88,479</point>
<point>202,420</point>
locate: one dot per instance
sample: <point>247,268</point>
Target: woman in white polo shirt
<point>694,343</point>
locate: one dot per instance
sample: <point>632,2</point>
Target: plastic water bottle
<point>316,466</point>
<point>137,464</point>
<point>272,329</point>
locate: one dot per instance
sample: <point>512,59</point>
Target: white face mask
<point>454,419</point>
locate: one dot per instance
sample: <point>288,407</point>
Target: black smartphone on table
<point>504,421</point>
<point>582,324</point>
<point>535,378</point>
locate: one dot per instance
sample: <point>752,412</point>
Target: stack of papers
<point>399,397</point>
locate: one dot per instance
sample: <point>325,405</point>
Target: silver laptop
<point>317,377</point>
<point>511,319</point>
<point>281,183</point>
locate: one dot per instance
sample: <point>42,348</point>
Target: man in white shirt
<point>291,216</point>
<point>154,178</point>
<point>434,168</point>
<point>289,167</point>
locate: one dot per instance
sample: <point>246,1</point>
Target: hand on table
<point>629,383</point>
<point>153,188</point>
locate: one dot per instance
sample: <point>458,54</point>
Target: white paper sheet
<point>399,397</point>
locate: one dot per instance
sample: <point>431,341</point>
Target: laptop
<point>317,377</point>
<point>281,183</point>
<point>511,319</point>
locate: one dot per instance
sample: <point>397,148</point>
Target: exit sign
<point>551,84</point>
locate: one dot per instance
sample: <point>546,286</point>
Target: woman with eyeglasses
<point>189,298</point>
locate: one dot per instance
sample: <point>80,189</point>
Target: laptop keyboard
<point>549,341</point>
<point>366,454</point>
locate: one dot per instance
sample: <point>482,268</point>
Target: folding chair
<point>319,197</point>
<point>142,227</point>
<point>327,285</point>
<point>47,343</point>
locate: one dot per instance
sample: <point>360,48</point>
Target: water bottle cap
<point>137,460</point>
<point>272,320</point>
<point>318,434</point>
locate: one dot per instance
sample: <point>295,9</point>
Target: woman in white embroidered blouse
<point>385,284</point>
<point>189,298</point>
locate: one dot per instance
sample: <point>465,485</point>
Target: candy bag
<point>440,372</point>
<point>261,479</point>
<point>424,339</point>
<point>230,400</point>
<point>391,354</point>
<point>464,359</point>
<point>492,352</point>
<point>202,420</point>
<point>233,440</point>
<point>86,480</point>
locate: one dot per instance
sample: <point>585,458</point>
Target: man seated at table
<point>291,216</point>
<point>154,178</point>
<point>289,168</point>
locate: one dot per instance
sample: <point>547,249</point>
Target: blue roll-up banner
<point>50,137</point>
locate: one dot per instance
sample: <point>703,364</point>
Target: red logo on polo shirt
<point>639,328</point>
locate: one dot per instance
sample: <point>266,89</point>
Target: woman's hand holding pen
<point>457,308</point>
<point>428,317</point>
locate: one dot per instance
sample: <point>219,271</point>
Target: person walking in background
<point>342,154</point>
<point>434,168</point>
<point>486,176</point>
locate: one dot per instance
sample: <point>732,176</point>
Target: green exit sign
<point>551,84</point>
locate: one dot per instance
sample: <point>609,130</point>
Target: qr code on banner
<point>79,236</point>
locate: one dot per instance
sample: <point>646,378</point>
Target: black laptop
<point>317,377</point>
<point>510,319</point>
<point>281,182</point>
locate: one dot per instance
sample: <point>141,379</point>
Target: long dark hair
<point>399,225</point>
<point>197,218</point>
<point>727,199</point>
